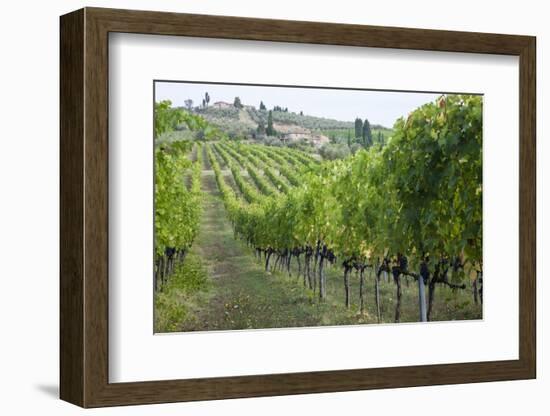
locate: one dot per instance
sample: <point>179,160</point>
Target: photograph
<point>285,206</point>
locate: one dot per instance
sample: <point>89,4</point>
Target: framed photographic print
<point>255,207</point>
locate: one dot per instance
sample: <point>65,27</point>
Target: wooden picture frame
<point>84,207</point>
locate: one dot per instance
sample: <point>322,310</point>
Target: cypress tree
<point>367,135</point>
<point>358,128</point>
<point>270,131</point>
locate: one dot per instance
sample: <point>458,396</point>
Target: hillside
<point>250,122</point>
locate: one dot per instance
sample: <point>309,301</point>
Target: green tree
<point>206,98</point>
<point>358,128</point>
<point>262,105</point>
<point>367,135</point>
<point>189,104</point>
<point>237,103</point>
<point>167,118</point>
<point>270,131</point>
<point>261,127</point>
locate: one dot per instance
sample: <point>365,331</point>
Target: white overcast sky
<point>379,107</point>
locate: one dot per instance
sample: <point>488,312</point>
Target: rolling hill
<point>250,123</point>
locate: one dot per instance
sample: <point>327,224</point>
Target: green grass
<point>449,304</point>
<point>171,303</point>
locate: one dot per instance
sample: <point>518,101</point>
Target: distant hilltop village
<point>249,122</point>
<point>293,133</point>
<point>222,104</point>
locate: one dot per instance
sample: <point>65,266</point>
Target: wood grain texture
<point>527,208</point>
<point>96,207</point>
<point>71,208</point>
<point>226,27</point>
<point>84,207</point>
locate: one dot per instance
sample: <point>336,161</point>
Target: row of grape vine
<point>411,208</point>
<point>177,207</point>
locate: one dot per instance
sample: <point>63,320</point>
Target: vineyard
<point>372,238</point>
